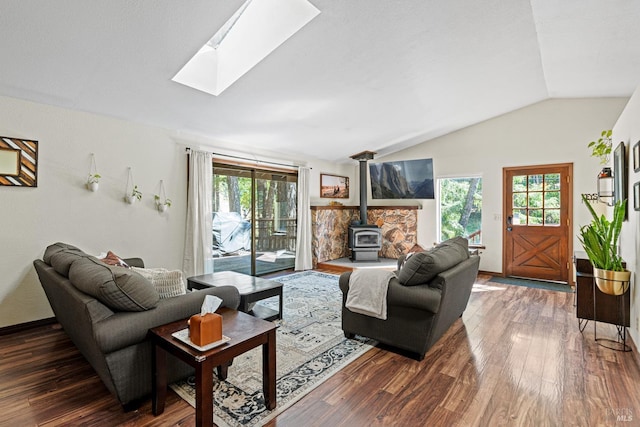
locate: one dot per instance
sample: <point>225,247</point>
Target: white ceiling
<point>375,75</point>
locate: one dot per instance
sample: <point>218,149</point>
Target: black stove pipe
<point>363,191</point>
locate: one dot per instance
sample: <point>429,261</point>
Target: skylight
<point>253,32</point>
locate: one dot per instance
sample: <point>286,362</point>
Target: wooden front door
<point>537,212</point>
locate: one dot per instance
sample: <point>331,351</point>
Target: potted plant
<point>92,181</point>
<point>602,147</point>
<point>135,194</point>
<point>162,205</point>
<point>600,242</point>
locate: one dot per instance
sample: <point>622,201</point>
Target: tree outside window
<point>461,208</point>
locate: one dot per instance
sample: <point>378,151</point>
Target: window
<point>460,208</point>
<point>536,200</point>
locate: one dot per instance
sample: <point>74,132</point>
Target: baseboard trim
<point>634,349</point>
<point>21,327</point>
<point>490,273</point>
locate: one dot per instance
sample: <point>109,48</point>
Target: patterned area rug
<point>311,347</point>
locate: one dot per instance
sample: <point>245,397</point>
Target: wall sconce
<point>605,186</point>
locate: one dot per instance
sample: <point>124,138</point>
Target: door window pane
<point>552,199</point>
<point>535,182</point>
<point>535,200</point>
<point>520,183</point>
<point>519,200</point>
<point>552,181</point>
<point>535,217</point>
<point>519,217</point>
<point>552,217</point>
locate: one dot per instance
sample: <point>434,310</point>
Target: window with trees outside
<point>460,208</point>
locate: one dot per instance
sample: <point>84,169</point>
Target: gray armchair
<point>430,292</point>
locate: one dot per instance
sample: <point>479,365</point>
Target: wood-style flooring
<point>515,358</point>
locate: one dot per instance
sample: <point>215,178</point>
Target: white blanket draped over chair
<point>368,292</point>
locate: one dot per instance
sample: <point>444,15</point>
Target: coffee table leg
<point>269,370</point>
<point>204,394</point>
<point>280,305</point>
<point>159,379</point>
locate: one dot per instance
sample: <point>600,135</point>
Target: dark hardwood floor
<point>515,358</point>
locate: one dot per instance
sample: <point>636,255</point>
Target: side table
<point>245,332</point>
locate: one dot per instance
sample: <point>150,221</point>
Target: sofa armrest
<point>456,284</point>
<point>134,262</point>
<point>126,328</point>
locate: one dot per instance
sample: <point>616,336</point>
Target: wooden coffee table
<point>251,289</point>
<point>245,332</point>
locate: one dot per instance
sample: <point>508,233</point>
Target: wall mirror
<point>620,175</point>
<point>18,162</point>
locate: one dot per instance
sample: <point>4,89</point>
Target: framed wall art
<point>620,175</point>
<point>636,196</point>
<point>636,157</point>
<point>334,186</point>
<point>18,162</point>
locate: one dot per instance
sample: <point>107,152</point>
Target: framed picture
<point>18,162</point>
<point>636,196</point>
<point>334,187</point>
<point>636,157</point>
<point>620,175</point>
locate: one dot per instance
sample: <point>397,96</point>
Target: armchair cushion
<point>421,267</point>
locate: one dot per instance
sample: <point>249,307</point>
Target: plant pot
<point>130,199</point>
<point>162,207</point>
<point>612,282</point>
<point>92,186</point>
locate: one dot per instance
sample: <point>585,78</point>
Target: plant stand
<point>620,343</point>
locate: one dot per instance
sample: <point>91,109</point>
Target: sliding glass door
<point>254,219</point>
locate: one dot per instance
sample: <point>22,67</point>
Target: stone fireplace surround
<point>329,228</point>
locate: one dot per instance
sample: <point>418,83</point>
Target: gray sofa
<point>109,319</point>
<point>430,291</point>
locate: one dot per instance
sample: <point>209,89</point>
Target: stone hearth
<point>330,230</point>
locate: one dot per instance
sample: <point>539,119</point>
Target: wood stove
<point>364,242</point>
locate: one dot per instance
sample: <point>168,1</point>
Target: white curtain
<point>197,250</point>
<point>304,260</point>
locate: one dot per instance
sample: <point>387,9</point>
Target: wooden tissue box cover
<point>205,329</point>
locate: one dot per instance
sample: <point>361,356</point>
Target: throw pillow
<point>422,267</point>
<point>118,288</point>
<point>168,283</point>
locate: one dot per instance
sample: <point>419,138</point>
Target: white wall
<point>627,129</point>
<point>61,209</point>
<point>553,131</point>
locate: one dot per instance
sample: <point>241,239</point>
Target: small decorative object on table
<point>206,327</point>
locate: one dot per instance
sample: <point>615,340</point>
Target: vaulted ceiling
<point>374,75</point>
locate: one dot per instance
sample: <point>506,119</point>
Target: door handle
<point>509,223</point>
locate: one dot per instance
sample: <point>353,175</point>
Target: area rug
<point>539,284</point>
<point>310,348</point>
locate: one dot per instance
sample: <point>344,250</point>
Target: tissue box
<point>205,329</point>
